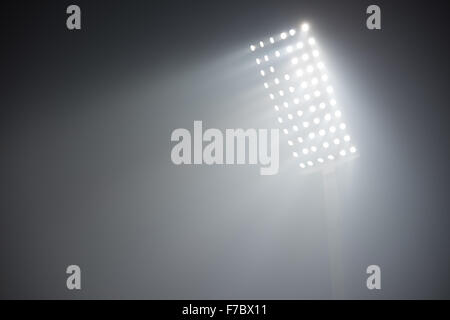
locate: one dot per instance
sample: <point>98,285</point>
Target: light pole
<point>297,82</point>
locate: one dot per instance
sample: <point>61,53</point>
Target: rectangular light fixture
<point>297,83</point>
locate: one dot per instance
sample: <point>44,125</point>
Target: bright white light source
<point>325,145</point>
<point>272,40</point>
<point>312,109</point>
<point>338,114</point>
<point>280,119</point>
<point>314,81</point>
<point>307,97</point>
<point>285,104</point>
<point>352,149</point>
<point>281,92</point>
<point>342,126</point>
<point>299,73</point>
<point>316,120</point>
<point>304,84</point>
<point>311,135</point>
<point>347,138</point>
<point>290,116</point>
<point>285,131</point>
<point>332,129</point>
<point>320,65</point>
<point>294,60</point>
<point>300,140</point>
<point>317,93</point>
<point>314,149</point>
<point>315,53</point>
<point>296,100</point>
<point>332,102</point>
<point>324,77</point>
<point>292,32</point>
<point>312,41</point>
<point>331,157</point>
<point>310,69</point>
<point>272,69</point>
<point>330,89</point>
<point>299,45</point>
<point>271,96</point>
<point>299,113</point>
<point>290,143</point>
<point>277,54</point>
<point>327,117</point>
<point>322,105</point>
<point>276,108</point>
<point>321,132</point>
<point>252,48</point>
<point>336,141</point>
<point>283,35</point>
<point>276,80</point>
<point>263,73</point>
<point>305,57</point>
<point>266,57</point>
<point>261,44</point>
<point>320,160</point>
<point>310,163</point>
<point>295,128</point>
<point>305,151</point>
<point>287,77</point>
<point>343,153</point>
<point>305,124</point>
<point>291,89</point>
<point>258,61</point>
<point>295,154</point>
<point>266,85</point>
<point>289,49</point>
<point>302,165</point>
<point>305,27</point>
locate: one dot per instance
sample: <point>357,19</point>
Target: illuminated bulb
<point>305,57</point>
<point>314,81</point>
<point>294,60</point>
<point>300,113</point>
<point>285,131</point>
<point>272,40</point>
<point>277,81</point>
<point>305,151</point>
<point>271,96</point>
<point>302,165</point>
<point>342,126</point>
<point>261,44</point>
<point>310,163</point>
<point>326,145</point>
<point>295,154</point>
<point>317,93</point>
<point>311,135</point>
<point>312,41</point>
<point>333,102</point>
<point>327,117</point>
<point>324,78</point>
<point>266,58</point>
<point>332,129</point>
<point>252,48</point>
<point>331,157</point>
<point>342,153</point>
<point>347,138</point>
<point>330,89</point>
<point>263,73</point>
<point>283,35</point>
<point>277,54</point>
<point>312,108</point>
<point>321,132</point>
<point>258,61</point>
<point>320,65</point>
<point>289,49</point>
<point>315,53</point>
<point>316,120</point>
<point>305,27</point>
<point>313,148</point>
<point>300,140</point>
<point>290,117</point>
<point>336,141</point>
<point>338,114</point>
<point>322,105</point>
<point>272,69</point>
<point>304,84</point>
<point>281,92</point>
<point>295,128</point>
<point>299,45</point>
<point>306,124</point>
<point>296,100</point>
<point>309,69</point>
<point>276,108</point>
<point>320,160</point>
<point>291,89</point>
<point>266,85</point>
<point>290,143</point>
<point>292,32</point>
<point>352,149</point>
<point>285,104</point>
<point>280,120</point>
<point>307,97</point>
<point>299,73</point>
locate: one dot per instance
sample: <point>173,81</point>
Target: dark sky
<point>85,169</point>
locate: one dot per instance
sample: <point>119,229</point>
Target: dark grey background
<point>86,176</point>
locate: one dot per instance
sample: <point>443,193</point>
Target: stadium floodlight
<point>311,119</point>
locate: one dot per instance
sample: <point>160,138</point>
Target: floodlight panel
<point>303,99</point>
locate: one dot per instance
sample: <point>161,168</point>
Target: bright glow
<point>331,157</point>
<point>289,49</point>
<point>276,108</point>
<point>266,85</point>
<point>314,149</point>
<point>277,54</point>
<point>305,124</point>
<point>272,69</point>
<point>324,78</point>
<point>322,105</point>
<point>312,41</point>
<point>271,96</point>
<point>304,84</point>
<point>305,27</point>
<point>285,131</point>
<point>272,40</point>
<point>302,165</point>
<point>315,53</point>
<point>352,149</point>
<point>311,135</point>
<point>347,138</point>
<point>322,132</point>
<point>320,160</point>
<point>263,73</point>
<point>332,129</point>
<point>290,143</point>
<point>343,153</point>
<point>307,97</point>
<point>295,128</point>
<point>299,45</point>
<point>336,141</point>
<point>252,48</point>
<point>281,92</point>
<point>312,109</point>
<point>294,60</point>
<point>310,163</point>
<point>300,140</point>
<point>285,104</point>
<point>266,58</point>
<point>296,100</point>
<point>295,154</point>
<point>305,151</point>
<point>325,145</point>
<point>300,113</point>
<point>314,81</point>
<point>280,120</point>
<point>291,89</point>
<point>330,89</point>
<point>333,102</point>
<point>287,77</point>
<point>299,73</point>
<point>327,117</point>
<point>258,61</point>
<point>290,117</point>
<point>338,114</point>
<point>283,35</point>
<point>276,80</point>
<point>320,65</point>
<point>317,93</point>
<point>261,44</point>
<point>292,32</point>
<point>309,68</point>
<point>305,57</point>
<point>316,120</point>
<point>342,126</point>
